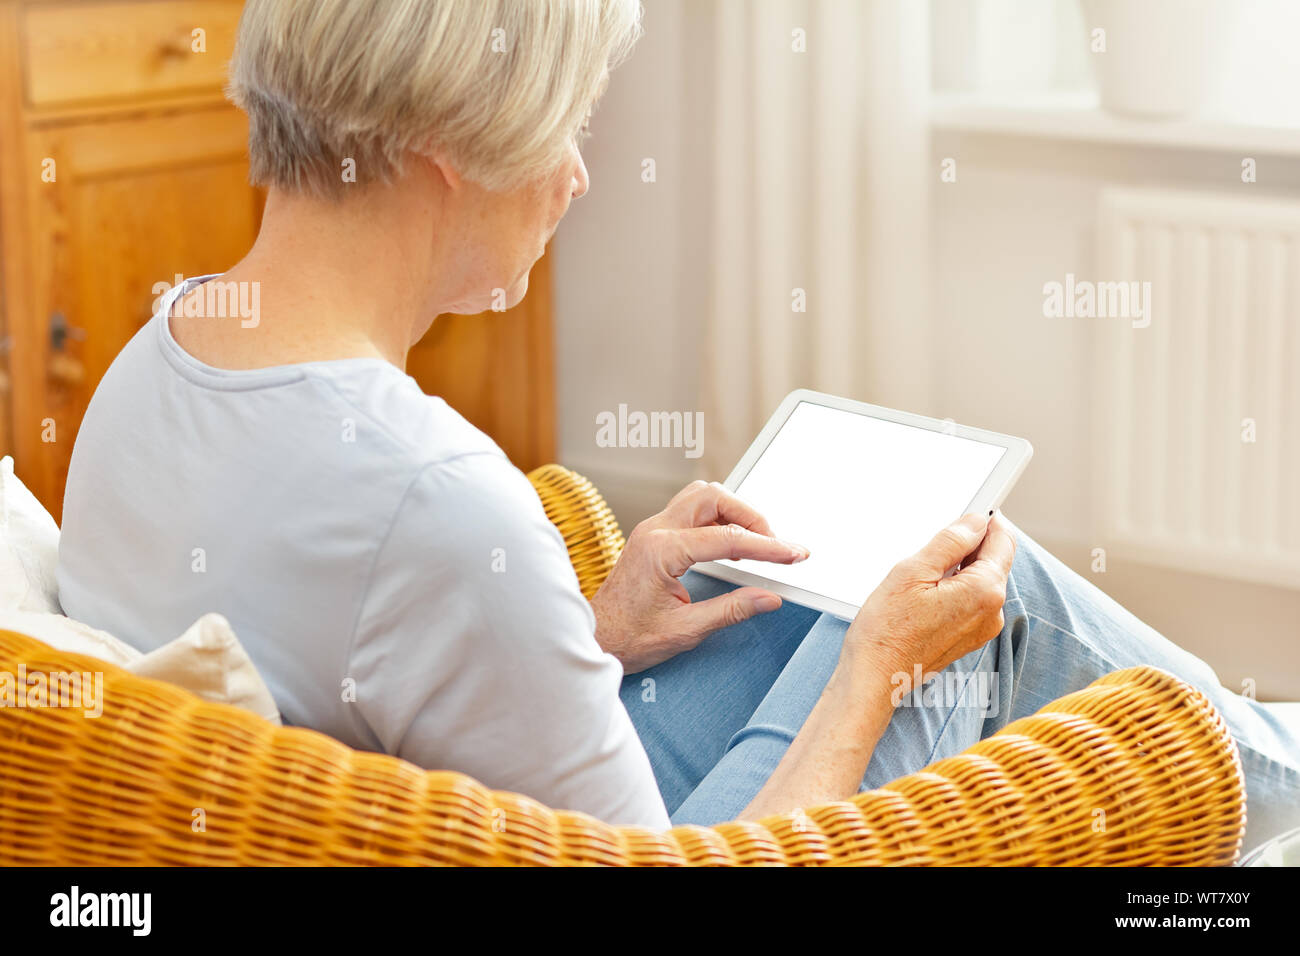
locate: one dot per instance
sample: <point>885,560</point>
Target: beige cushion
<point>207,659</point>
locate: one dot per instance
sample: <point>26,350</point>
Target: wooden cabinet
<point>121,167</point>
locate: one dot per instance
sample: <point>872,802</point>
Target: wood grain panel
<point>14,245</point>
<point>135,202</point>
<point>84,52</point>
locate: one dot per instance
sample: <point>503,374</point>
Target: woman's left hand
<point>644,615</point>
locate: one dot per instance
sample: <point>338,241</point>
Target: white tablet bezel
<point>994,491</point>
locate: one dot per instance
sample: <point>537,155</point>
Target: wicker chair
<point>1138,768</point>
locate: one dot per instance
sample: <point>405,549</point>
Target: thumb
<point>702,618</point>
<point>947,548</point>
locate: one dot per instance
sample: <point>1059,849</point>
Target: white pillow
<point>29,547</point>
<point>207,659</point>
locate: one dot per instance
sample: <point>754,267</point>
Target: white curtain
<point>820,179</point>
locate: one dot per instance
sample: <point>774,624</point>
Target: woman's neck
<point>330,280</point>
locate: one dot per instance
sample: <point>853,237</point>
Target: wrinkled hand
<point>919,616</point>
<point>644,614</point>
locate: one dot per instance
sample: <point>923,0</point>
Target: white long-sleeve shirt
<point>392,575</point>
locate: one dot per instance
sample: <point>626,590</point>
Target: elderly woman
<point>394,577</point>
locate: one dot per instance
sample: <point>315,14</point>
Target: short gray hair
<point>499,86</point>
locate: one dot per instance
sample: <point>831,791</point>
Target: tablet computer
<point>861,487</point>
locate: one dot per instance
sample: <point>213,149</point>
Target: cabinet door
<point>133,203</point>
<point>497,369</point>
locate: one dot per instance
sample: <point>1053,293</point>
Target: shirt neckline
<point>200,372</point>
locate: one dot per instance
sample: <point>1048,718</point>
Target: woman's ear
<point>440,166</point>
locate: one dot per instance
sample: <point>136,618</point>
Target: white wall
<point>1022,213</point>
<point>630,276</point>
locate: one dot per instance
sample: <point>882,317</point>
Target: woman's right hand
<point>919,617</point>
<point>916,616</point>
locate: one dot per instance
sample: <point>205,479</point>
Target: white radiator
<point>1179,482</point>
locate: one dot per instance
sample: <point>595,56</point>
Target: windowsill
<point>1077,117</point>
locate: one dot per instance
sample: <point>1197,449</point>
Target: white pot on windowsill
<point>1163,58</point>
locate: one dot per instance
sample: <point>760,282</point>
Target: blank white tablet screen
<point>860,493</point>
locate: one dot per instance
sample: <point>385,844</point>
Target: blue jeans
<point>716,720</point>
